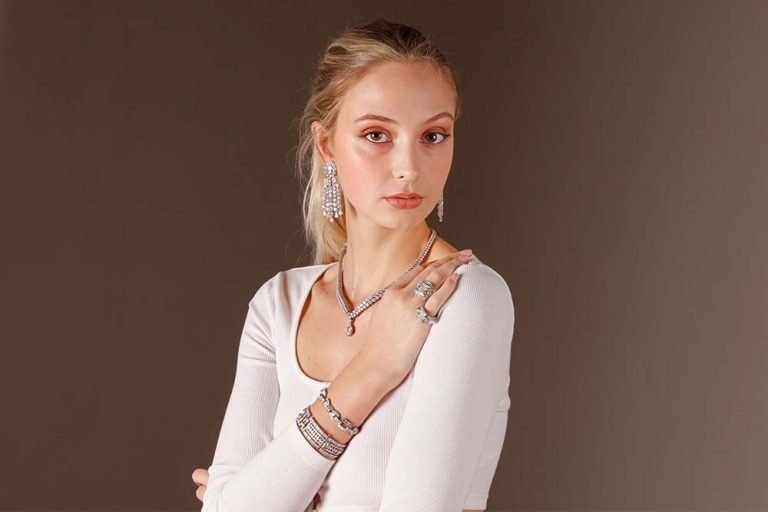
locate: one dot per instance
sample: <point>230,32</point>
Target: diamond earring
<point>331,193</point>
<point>440,209</point>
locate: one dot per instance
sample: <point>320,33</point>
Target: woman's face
<point>394,134</point>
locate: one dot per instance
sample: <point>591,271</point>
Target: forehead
<point>405,92</point>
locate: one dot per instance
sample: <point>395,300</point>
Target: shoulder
<point>477,320</point>
<point>481,303</point>
<point>290,279</point>
<point>481,283</point>
<point>478,272</point>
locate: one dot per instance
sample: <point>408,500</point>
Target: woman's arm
<point>459,382</point>
<point>254,468</point>
<point>486,467</point>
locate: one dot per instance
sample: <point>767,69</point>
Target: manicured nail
<point>466,252</point>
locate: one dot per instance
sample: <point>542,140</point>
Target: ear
<point>322,138</point>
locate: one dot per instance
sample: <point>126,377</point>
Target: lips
<point>407,196</point>
<point>405,201</point>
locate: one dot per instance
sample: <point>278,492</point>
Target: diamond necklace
<point>370,301</point>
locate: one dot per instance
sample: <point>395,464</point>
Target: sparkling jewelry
<point>317,437</point>
<point>342,423</point>
<point>440,209</point>
<point>424,289</point>
<point>332,208</point>
<point>351,315</point>
<point>425,317</point>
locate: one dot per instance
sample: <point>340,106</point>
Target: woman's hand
<point>200,477</point>
<point>395,334</point>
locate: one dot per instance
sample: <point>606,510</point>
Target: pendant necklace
<point>370,301</point>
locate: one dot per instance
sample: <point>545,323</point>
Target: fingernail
<point>466,252</point>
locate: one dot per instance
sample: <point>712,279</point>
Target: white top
<point>431,445</point>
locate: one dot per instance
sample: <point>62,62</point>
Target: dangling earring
<point>440,209</point>
<point>331,193</point>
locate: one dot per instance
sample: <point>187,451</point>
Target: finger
<point>200,476</point>
<point>415,271</point>
<point>437,274</point>
<point>200,492</point>
<point>433,270</point>
<point>443,287</point>
<point>439,297</point>
<point>406,279</point>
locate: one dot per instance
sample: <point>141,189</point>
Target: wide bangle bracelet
<point>341,423</point>
<point>317,437</point>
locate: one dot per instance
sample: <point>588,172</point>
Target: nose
<point>405,164</point>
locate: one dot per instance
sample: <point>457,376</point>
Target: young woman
<point>374,379</point>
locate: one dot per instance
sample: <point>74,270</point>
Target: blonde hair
<point>342,63</point>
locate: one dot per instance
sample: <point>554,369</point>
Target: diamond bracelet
<point>317,437</point>
<point>341,423</point>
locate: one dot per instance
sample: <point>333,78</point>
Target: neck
<point>376,257</point>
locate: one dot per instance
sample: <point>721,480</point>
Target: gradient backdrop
<point>611,164</point>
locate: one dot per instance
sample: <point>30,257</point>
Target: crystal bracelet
<point>317,437</point>
<point>341,423</point>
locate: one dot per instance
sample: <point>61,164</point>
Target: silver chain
<point>370,301</point>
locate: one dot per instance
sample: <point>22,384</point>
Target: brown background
<point>611,165</point>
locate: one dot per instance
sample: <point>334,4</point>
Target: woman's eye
<point>379,137</point>
<point>443,135</point>
<point>372,133</point>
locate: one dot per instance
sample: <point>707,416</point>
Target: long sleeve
<point>477,499</point>
<point>253,470</point>
<point>460,382</point>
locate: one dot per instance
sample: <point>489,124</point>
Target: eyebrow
<point>384,119</point>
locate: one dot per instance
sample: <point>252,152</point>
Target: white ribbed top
<point>431,445</point>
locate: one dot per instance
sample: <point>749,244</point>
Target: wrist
<point>373,370</point>
<point>327,423</point>
<point>354,393</point>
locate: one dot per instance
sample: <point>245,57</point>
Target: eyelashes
<point>379,132</point>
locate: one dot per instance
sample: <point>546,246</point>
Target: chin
<point>403,220</point>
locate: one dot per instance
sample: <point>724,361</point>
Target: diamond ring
<point>425,317</point>
<point>424,289</point>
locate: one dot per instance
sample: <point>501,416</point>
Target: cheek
<point>438,168</point>
<point>365,171</point>
<point>446,156</point>
<point>356,184</point>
